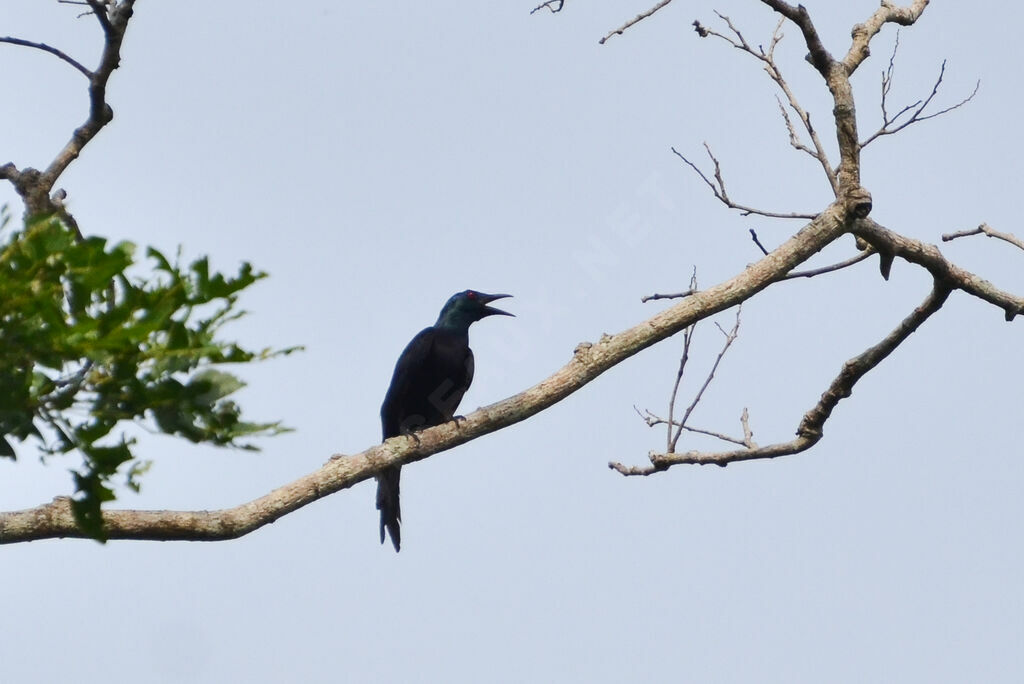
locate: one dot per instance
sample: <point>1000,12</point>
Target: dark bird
<point>431,376</point>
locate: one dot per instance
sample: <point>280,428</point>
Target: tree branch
<point>50,49</point>
<point>767,57</point>
<point>588,362</point>
<point>35,187</point>
<point>718,188</point>
<point>890,244</point>
<point>862,34</point>
<point>810,273</point>
<point>635,20</point>
<point>918,107</point>
<point>549,5</point>
<point>811,428</point>
<point>983,229</point>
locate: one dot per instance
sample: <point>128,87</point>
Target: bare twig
<point>811,427</point>
<point>985,229</point>
<point>549,5</point>
<point>50,49</point>
<point>917,115</point>
<point>819,56</point>
<point>638,18</point>
<point>767,57</point>
<point>687,339</point>
<point>753,236</point>
<point>675,427</point>
<point>675,295</point>
<point>747,440</point>
<point>718,188</point>
<point>810,273</point>
<point>730,337</point>
<point>716,435</point>
<point>865,253</point>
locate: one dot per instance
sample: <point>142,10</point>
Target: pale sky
<point>374,158</point>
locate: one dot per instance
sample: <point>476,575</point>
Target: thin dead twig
<point>916,110</point>
<point>718,188</point>
<point>50,49</point>
<point>811,428</point>
<point>867,252</point>
<point>985,229</point>
<point>549,5</point>
<point>767,58</point>
<point>730,337</point>
<point>635,20</point>
<point>675,295</point>
<point>810,273</point>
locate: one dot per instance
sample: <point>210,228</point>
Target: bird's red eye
<point>471,294</point>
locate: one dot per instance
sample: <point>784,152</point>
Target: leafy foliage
<point>85,346</point>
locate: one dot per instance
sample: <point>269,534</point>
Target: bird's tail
<point>387,504</point>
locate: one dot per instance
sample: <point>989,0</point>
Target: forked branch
<point>771,67</point>
<point>891,123</point>
<point>718,188</point>
<point>811,428</point>
<point>35,187</point>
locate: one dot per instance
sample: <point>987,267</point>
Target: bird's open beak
<point>491,311</point>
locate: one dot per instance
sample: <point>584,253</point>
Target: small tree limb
<point>50,49</point>
<point>811,428</point>
<point>635,20</point>
<point>985,229</point>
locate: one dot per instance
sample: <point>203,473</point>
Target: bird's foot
<point>456,419</point>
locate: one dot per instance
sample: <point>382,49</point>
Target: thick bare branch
<point>588,362</point>
<point>888,13</point>
<point>985,229</point>
<point>811,427</point>
<point>819,57</point>
<point>100,113</point>
<point>890,244</point>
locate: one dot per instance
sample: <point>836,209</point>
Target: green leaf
<point>90,343</point>
<point>214,384</point>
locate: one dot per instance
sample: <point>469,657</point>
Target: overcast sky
<point>374,158</point>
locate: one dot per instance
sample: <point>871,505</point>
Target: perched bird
<point>431,376</point>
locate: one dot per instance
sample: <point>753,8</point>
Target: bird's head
<point>468,307</point>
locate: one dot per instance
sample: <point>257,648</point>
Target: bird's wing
<point>414,355</point>
<point>470,367</point>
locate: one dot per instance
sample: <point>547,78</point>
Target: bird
<point>431,376</point>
